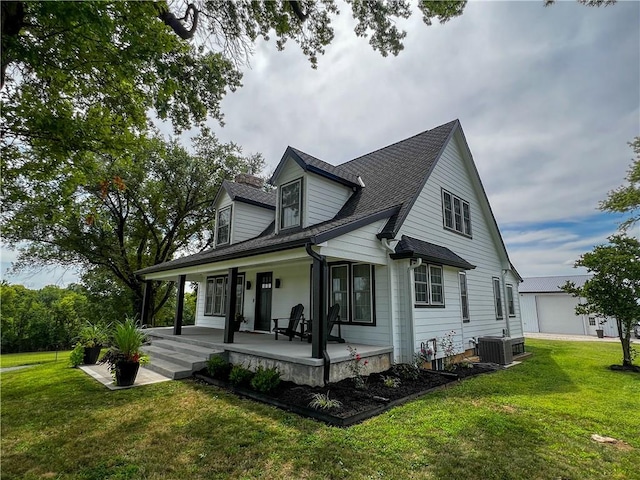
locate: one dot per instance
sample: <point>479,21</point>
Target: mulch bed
<point>357,404</point>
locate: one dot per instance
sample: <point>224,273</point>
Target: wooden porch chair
<point>291,330</point>
<point>333,318</point>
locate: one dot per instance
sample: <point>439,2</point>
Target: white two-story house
<point>402,238</point>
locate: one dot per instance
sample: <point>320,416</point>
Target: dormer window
<point>223,226</point>
<point>290,203</point>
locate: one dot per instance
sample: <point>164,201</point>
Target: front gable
<point>319,197</point>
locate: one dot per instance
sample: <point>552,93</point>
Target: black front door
<point>264,283</point>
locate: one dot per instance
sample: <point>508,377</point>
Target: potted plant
<point>125,355</point>
<point>92,337</point>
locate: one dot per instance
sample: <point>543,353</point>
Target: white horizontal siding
<point>359,245</point>
<point>425,222</point>
<point>436,322</point>
<point>323,198</point>
<point>516,329</point>
<point>249,221</point>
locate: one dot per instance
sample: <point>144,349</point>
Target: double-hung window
<point>215,300</point>
<point>352,287</point>
<point>456,214</point>
<point>290,204</point>
<point>223,226</point>
<point>511,308</point>
<point>464,296</point>
<point>497,296</point>
<point>429,285</point>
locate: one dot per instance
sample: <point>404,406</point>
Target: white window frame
<point>219,226</point>
<point>464,297</point>
<point>210,295</point>
<point>456,214</point>
<point>430,286</point>
<point>282,207</point>
<point>497,298</point>
<point>511,305</point>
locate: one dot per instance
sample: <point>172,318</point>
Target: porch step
<point>180,358</point>
<point>180,340</point>
<point>188,348</point>
<point>168,369</point>
<point>177,360</point>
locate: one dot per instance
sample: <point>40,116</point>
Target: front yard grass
<point>533,421</point>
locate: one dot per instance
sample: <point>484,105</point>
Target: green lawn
<point>533,421</point>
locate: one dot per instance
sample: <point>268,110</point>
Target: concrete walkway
<point>101,373</point>
<point>576,338</point>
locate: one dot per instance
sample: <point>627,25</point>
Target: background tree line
<point>50,318</point>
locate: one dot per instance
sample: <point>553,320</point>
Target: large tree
<point>125,212</point>
<point>614,290</point>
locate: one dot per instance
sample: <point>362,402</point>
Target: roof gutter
<point>323,344</point>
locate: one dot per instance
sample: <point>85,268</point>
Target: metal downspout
<point>327,360</point>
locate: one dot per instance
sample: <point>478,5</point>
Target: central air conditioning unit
<point>495,350</point>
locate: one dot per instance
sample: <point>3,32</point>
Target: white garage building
<point>546,308</point>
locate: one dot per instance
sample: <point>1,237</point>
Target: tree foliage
<point>614,290</point>
<point>126,213</point>
<point>45,319</point>
<point>626,199</point>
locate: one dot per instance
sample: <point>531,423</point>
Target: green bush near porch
<point>531,421</point>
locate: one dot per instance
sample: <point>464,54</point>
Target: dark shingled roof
<point>393,177</point>
<point>409,247</point>
<point>312,164</point>
<point>251,195</point>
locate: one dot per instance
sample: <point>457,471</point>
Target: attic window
<point>290,202</point>
<point>223,226</point>
<point>456,214</point>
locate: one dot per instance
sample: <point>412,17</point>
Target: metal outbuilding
<point>546,308</point>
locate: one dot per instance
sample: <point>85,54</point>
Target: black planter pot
<point>126,373</point>
<point>91,355</point>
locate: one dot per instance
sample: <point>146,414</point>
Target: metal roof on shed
<point>550,284</point>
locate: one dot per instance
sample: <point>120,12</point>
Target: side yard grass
<point>532,421</point>
<point>33,358</point>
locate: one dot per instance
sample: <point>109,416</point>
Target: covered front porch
<point>293,359</point>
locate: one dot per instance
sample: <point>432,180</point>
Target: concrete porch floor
<point>265,345</point>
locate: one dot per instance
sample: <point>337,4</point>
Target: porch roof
<point>269,241</point>
<point>409,247</point>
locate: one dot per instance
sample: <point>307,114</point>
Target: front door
<point>263,301</point>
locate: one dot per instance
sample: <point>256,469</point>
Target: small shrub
<point>218,368</point>
<point>77,355</point>
<point>391,382</point>
<point>240,376</point>
<point>406,372</point>
<point>265,379</point>
<point>321,401</point>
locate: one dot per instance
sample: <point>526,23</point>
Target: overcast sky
<point>548,99</point>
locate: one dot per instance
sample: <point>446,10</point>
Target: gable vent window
<point>223,226</point>
<point>456,214</point>
<point>290,203</point>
